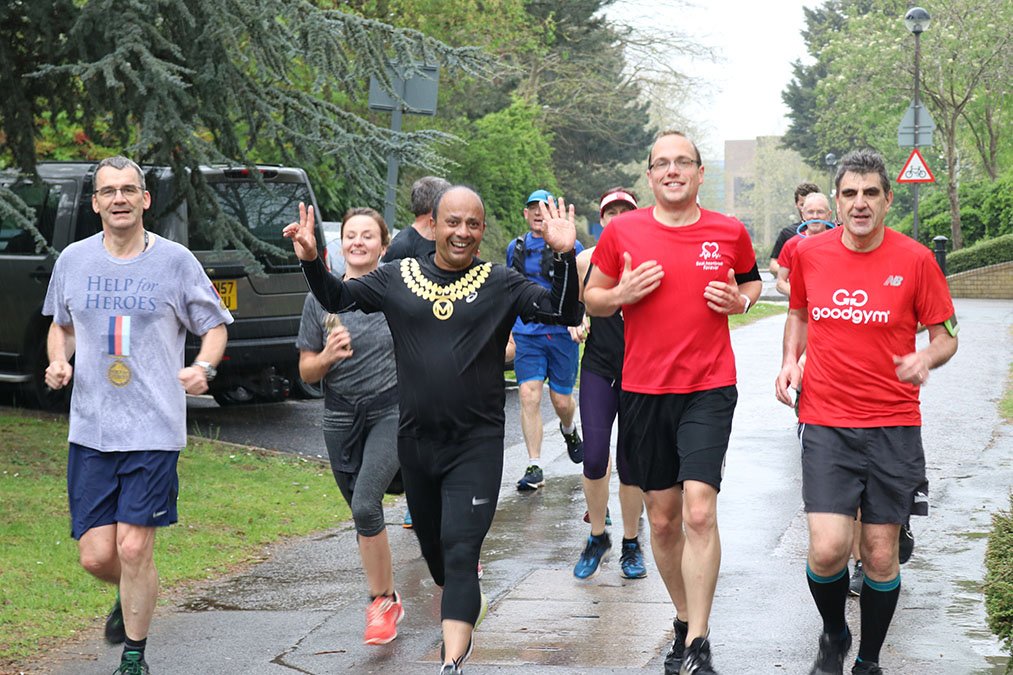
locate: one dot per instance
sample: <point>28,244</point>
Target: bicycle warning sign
<point>916,170</point>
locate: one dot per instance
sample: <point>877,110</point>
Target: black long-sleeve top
<point>450,332</point>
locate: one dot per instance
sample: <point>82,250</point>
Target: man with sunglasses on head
<point>677,271</point>
<point>122,301</point>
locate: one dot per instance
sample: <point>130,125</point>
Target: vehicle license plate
<point>227,290</point>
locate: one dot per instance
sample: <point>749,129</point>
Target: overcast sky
<point>757,40</point>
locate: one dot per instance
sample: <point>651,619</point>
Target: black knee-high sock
<point>878,601</point>
<point>830,594</point>
<point>135,646</point>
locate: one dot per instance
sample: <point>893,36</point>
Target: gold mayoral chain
<point>443,297</point>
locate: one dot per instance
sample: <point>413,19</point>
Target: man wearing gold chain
<point>450,314</point>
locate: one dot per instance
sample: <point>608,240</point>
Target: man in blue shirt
<point>543,351</point>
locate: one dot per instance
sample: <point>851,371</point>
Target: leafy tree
<point>188,82</point>
<point>508,155</point>
<point>965,63</point>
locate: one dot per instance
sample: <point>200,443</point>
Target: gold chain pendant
<point>443,297</point>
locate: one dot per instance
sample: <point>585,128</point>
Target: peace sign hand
<point>304,240</point>
<point>560,231</point>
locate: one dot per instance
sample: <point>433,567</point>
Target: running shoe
<point>631,560</point>
<point>407,522</point>
<point>482,611</point>
<point>857,579</point>
<point>457,666</point>
<point>115,631</point>
<point>132,663</point>
<point>866,668</point>
<point>382,618</point>
<point>480,570</point>
<point>907,542</point>
<point>697,659</point>
<point>833,651</point>
<point>595,551</point>
<point>532,480</point>
<point>673,661</point>
<point>608,517</point>
<point>574,446</point>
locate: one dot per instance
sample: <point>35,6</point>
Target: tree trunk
<point>957,238</point>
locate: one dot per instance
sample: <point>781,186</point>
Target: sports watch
<point>209,370</point>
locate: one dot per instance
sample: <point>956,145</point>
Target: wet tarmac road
<point>302,610</point>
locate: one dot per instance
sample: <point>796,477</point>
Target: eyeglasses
<point>128,191</point>
<point>683,163</point>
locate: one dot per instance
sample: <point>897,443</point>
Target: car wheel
<point>233,396</point>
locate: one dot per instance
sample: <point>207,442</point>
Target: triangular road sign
<point>916,170</point>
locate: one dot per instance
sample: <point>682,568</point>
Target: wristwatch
<point>209,370</point>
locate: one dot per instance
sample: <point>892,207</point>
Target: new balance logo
<point>894,280</point>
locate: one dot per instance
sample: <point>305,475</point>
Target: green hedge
<point>999,579</point>
<point>982,254</point>
<point>986,211</point>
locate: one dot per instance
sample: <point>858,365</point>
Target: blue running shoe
<point>596,550</point>
<point>631,560</point>
<point>407,523</point>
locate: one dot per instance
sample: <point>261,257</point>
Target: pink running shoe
<point>382,618</point>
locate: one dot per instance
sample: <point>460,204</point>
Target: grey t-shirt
<point>130,320</point>
<point>371,368</point>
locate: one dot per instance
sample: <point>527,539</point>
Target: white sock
<point>571,429</point>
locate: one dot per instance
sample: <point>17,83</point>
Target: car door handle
<point>41,273</point>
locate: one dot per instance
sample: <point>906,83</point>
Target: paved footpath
<point>302,610</point>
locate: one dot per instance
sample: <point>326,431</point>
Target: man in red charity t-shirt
<point>858,294</point>
<point>677,271</point>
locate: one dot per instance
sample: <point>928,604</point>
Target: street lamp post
<point>831,162</point>
<point>917,21</point>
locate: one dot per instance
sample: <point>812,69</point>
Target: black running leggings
<point>452,490</point>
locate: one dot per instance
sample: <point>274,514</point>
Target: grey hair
<point>121,162</point>
<point>425,192</point>
<point>862,162</point>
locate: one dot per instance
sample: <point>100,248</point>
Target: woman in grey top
<point>353,354</point>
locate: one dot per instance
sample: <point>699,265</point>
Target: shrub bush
<point>999,579</point>
<point>982,254</point>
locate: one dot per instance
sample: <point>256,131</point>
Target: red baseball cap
<point>617,196</point>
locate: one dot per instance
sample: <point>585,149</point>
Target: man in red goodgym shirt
<point>677,271</point>
<point>858,294</point>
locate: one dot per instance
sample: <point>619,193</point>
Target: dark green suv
<point>261,361</point>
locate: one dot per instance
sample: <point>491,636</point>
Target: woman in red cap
<point>600,383</point>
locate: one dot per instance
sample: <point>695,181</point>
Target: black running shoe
<point>907,542</point>
<point>673,661</point>
<point>132,663</point>
<point>115,631</point>
<point>574,445</point>
<point>866,668</point>
<point>532,479</point>
<point>833,651</point>
<point>697,659</point>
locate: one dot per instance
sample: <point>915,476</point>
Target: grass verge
<point>232,502</point>
<point>999,557</point>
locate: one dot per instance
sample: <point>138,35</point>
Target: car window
<point>44,198</point>
<point>263,210</point>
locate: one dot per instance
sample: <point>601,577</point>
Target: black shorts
<point>880,469</point>
<point>671,438</point>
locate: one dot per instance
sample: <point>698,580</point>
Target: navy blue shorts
<point>137,487</point>
<point>553,355</point>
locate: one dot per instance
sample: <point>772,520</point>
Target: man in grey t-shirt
<point>122,301</point>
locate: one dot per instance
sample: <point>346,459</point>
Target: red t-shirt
<point>862,309</point>
<point>788,251</point>
<point>675,343</point>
